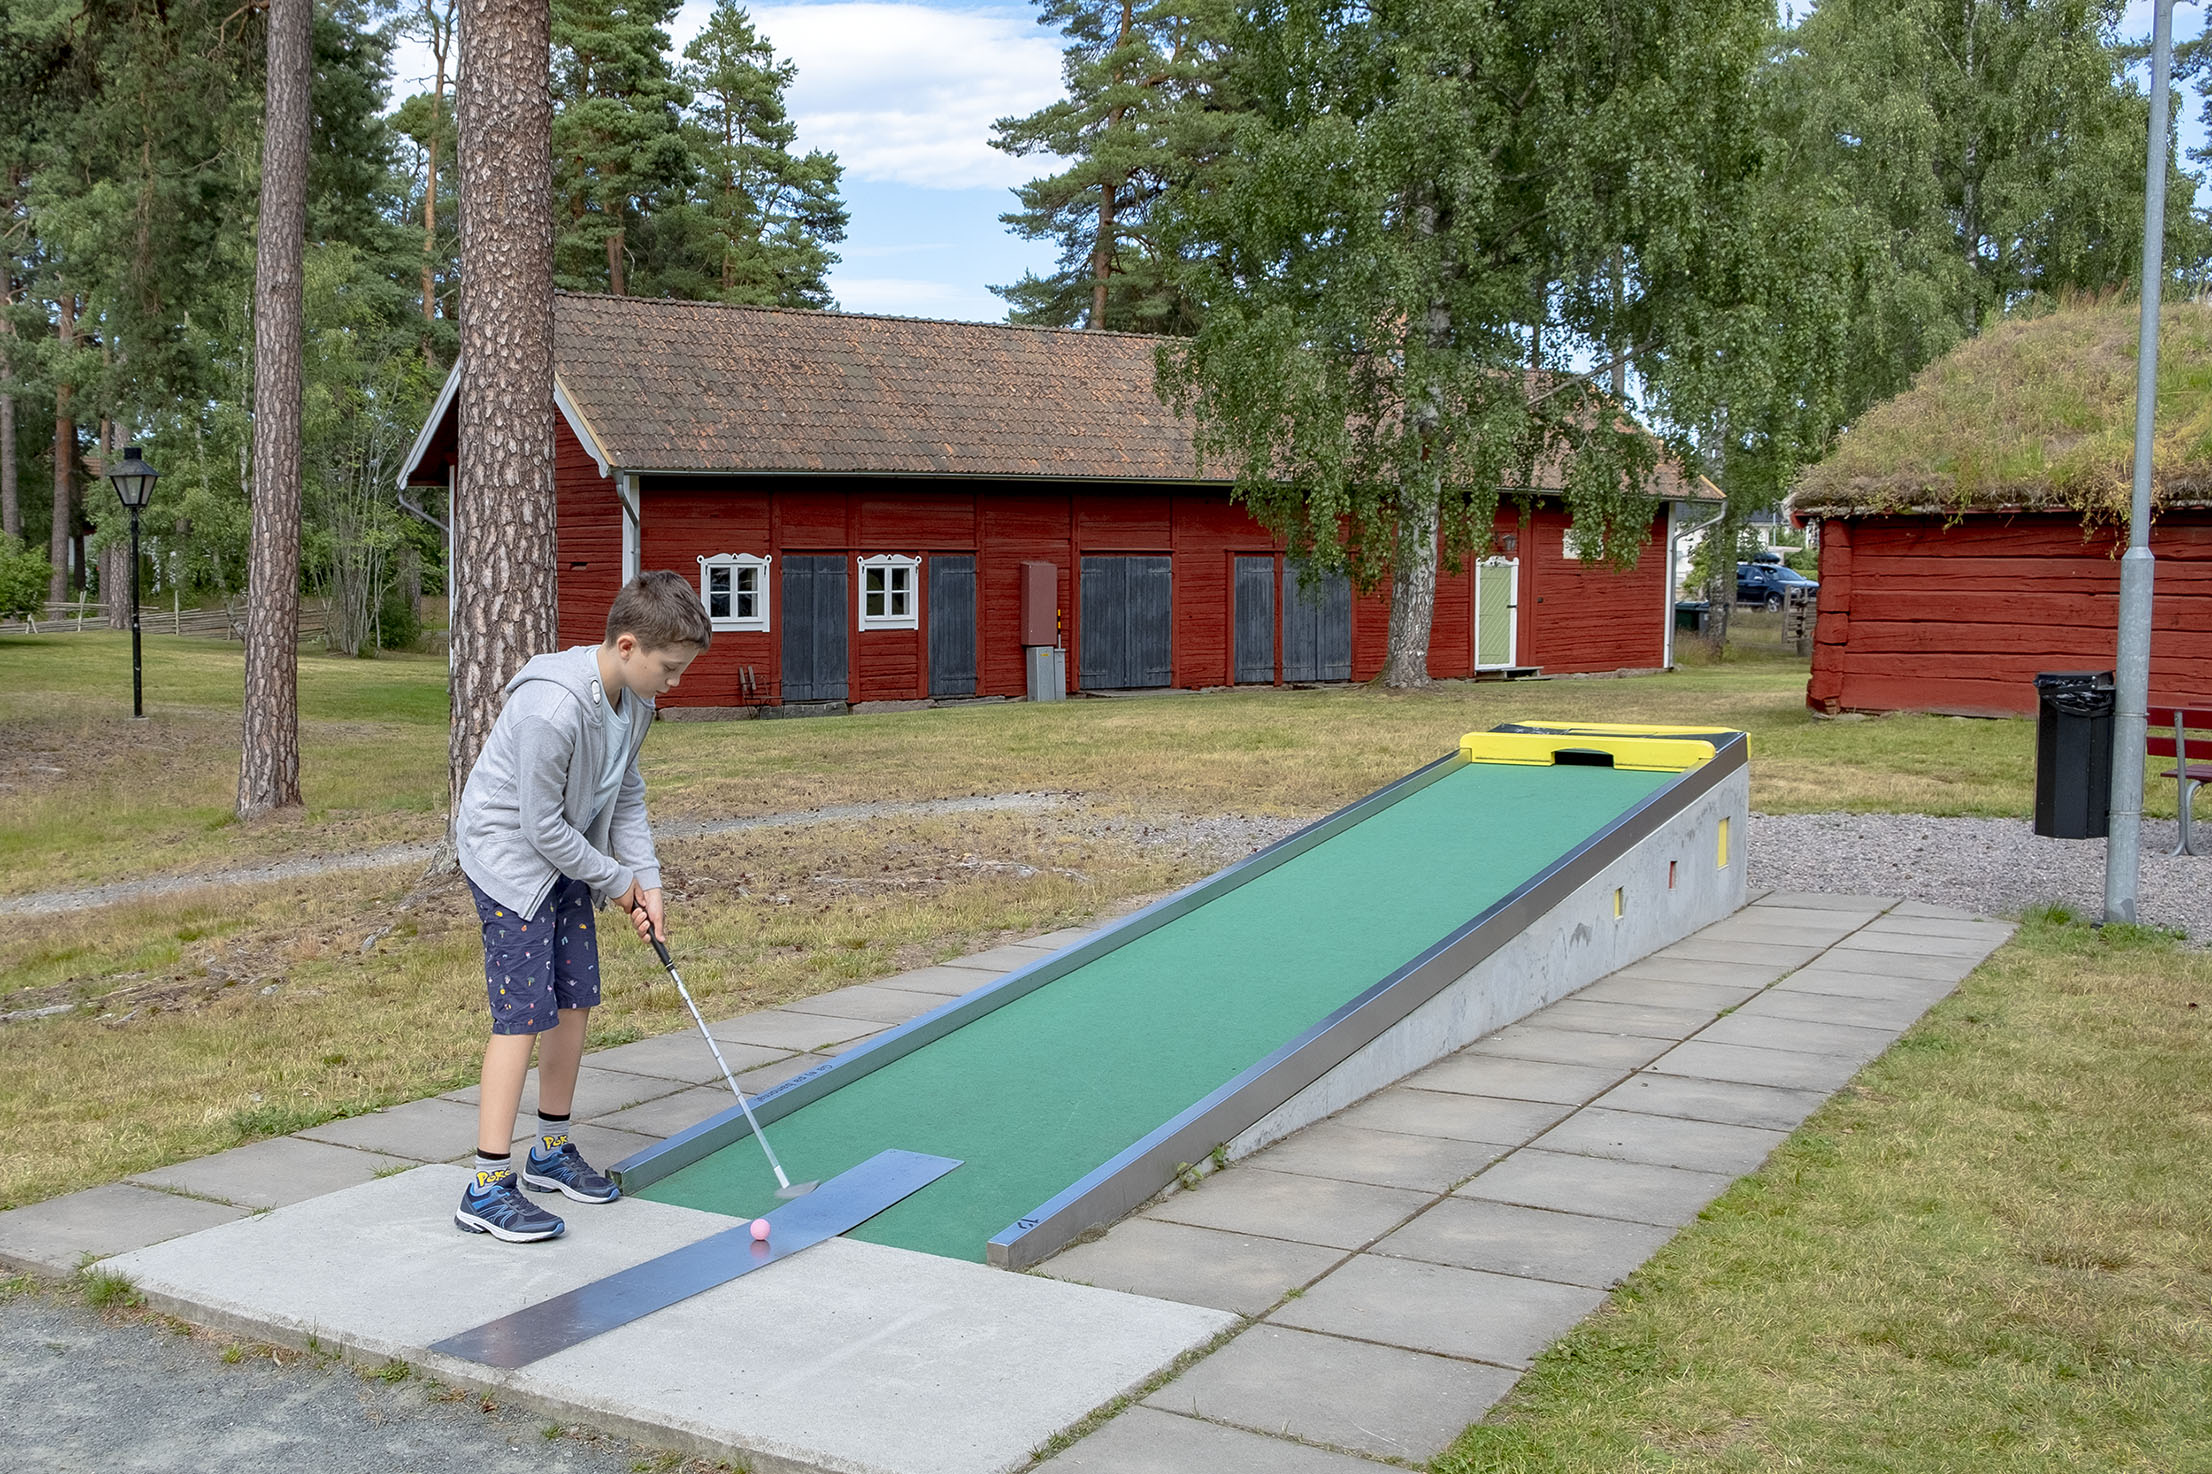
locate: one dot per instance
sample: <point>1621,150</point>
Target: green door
<point>1496,604</point>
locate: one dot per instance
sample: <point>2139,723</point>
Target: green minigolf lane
<point>1037,1093</point>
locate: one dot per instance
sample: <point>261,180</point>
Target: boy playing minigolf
<point>552,819</point>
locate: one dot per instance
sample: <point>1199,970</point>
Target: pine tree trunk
<point>115,584</point>
<point>269,767</point>
<point>430,228</point>
<point>614,262</point>
<point>65,458</point>
<point>503,550</point>
<point>11,504</point>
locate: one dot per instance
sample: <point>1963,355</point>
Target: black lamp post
<point>134,487</point>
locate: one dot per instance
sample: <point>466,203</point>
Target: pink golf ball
<point>760,1230</point>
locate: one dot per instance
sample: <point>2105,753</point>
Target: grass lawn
<point>1990,1253</point>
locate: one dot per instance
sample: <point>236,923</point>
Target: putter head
<point>797,1189</point>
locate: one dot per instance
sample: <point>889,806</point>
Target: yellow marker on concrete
<point>1583,748</point>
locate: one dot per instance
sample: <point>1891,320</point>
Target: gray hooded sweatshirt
<point>526,812</point>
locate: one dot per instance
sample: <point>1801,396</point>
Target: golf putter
<point>785,1187</point>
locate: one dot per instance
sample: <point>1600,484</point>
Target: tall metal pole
<point>138,683</point>
<point>2132,673</point>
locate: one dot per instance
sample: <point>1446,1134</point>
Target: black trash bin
<point>2073,754</point>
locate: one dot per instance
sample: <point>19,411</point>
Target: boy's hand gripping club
<point>785,1188</point>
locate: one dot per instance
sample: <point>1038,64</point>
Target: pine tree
<point>1143,112</point>
<point>769,215</point>
<point>619,152</point>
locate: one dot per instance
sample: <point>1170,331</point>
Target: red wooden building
<point>1968,536</point>
<point>858,495</point>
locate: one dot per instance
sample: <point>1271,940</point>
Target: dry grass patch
<point>274,1019</point>
<point>1991,1253</point>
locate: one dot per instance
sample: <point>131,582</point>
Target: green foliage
<point>23,575</point>
<point>619,156</point>
<point>768,215</point>
<point>1144,112</point>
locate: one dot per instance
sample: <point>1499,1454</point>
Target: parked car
<point>1772,584</point>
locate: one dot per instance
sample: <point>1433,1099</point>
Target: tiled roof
<point>698,386</point>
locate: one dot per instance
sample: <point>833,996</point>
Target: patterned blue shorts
<point>534,966</point>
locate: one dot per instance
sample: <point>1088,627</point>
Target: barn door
<point>952,624</point>
<point>1317,624</point>
<point>1127,609</point>
<point>814,621</point>
<point>1255,620</point>
<point>1497,612</point>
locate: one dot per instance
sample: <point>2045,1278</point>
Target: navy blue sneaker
<point>565,1171</point>
<point>494,1204</point>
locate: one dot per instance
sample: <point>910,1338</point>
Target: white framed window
<point>734,587</point>
<point>887,592</point>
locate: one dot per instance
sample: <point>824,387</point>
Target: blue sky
<point>905,91</point>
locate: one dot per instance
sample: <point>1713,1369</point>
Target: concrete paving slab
<point>1710,998</point>
<point>1448,1113</point>
<point>1746,972</point>
<point>1912,944</point>
<point>1497,1318</point>
<point>1379,1400</point>
<point>1515,1079</point>
<point>1822,1072</point>
<point>1942,913</point>
<point>598,1091</point>
<point>1703,949</point>
<point>1145,1440</point>
<point>1637,1191</point>
<point>1006,958</point>
<point>1713,1100</point>
<point>1427,1164</point>
<point>1752,932</point>
<point>269,1174</point>
<point>948,980</point>
<point>1892,1014</point>
<point>1770,913</point>
<point>1765,1031</point>
<point>53,1236</point>
<point>1243,1273</point>
<point>1662,1141</point>
<point>1284,1205</point>
<point>1571,1047</point>
<point>1599,1016</point>
<point>1066,936</point>
<point>1817,900</point>
<point>1977,929</point>
<point>867,1001</point>
<point>682,1056</point>
<point>848,1044</point>
<point>1898,976</point>
<point>671,1113</point>
<point>775,1028</point>
<point>966,1368</point>
<point>1505,1238</point>
<point>431,1130</point>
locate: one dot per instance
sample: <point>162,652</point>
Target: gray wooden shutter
<point>952,624</point>
<point>1152,621</point>
<point>814,620</point>
<point>1104,626</point>
<point>1255,620</point>
<point>1317,625</point>
<point>1128,622</point>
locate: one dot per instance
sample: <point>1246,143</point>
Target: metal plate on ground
<point>843,1203</point>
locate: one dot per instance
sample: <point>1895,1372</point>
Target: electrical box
<point>1040,604</point>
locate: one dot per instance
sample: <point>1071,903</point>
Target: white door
<point>1497,612</point>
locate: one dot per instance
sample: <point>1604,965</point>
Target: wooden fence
<point>224,622</point>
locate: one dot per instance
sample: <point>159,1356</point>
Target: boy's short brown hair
<point>661,609</point>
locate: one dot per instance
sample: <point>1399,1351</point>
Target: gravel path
<point>84,1397</point>
<point>1997,866</point>
<point>419,854</point>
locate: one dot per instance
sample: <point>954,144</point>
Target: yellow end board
<point>1583,747</point>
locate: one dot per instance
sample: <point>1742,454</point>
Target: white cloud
<point>907,92</point>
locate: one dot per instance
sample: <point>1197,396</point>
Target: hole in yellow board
<point>1616,903</point>
<point>1723,862</point>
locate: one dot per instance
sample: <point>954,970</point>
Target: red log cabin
<point>1970,529</point>
<point>857,497</point>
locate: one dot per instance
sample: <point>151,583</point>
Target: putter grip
<point>659,946</point>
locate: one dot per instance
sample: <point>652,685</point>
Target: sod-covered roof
<point>2037,413</point>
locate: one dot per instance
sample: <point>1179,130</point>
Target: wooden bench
<point>2188,776</point>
